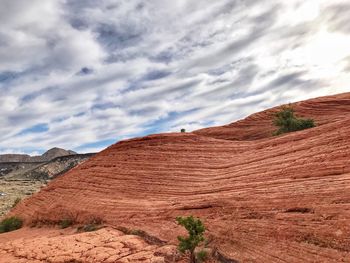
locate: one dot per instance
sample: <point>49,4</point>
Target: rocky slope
<point>47,166</point>
<point>21,179</point>
<point>57,166</point>
<point>105,245</point>
<point>262,198</point>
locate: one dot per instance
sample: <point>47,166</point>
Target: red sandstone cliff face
<point>262,198</point>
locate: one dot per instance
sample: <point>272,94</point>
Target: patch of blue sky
<point>8,76</point>
<point>38,128</point>
<point>164,124</point>
<point>98,144</point>
<point>156,74</point>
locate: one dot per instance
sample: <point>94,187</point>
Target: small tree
<point>288,122</point>
<point>195,230</point>
<point>183,130</point>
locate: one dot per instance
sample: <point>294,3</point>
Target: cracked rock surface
<point>56,246</point>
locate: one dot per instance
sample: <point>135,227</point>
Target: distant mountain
<point>42,170</point>
<point>55,167</point>
<point>56,152</point>
<point>16,158</point>
<point>25,158</point>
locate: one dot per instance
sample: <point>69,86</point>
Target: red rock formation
<point>262,198</point>
<point>259,125</point>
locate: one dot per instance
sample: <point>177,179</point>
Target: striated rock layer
<point>259,125</point>
<point>262,198</point>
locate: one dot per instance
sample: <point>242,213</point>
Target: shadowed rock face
<point>262,198</point>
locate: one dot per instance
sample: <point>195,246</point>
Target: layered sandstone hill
<point>259,125</point>
<point>262,198</point>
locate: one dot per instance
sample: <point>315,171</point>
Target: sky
<point>82,75</point>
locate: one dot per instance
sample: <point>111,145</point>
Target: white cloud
<point>115,69</point>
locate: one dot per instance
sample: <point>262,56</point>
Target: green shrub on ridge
<point>286,121</point>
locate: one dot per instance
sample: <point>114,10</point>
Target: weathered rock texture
<point>105,245</point>
<point>262,198</point>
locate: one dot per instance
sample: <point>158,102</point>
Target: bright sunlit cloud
<point>81,75</point>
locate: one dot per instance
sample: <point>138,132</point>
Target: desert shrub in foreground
<point>10,224</point>
<point>286,121</point>
<point>195,229</point>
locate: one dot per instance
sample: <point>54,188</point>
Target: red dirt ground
<point>262,198</point>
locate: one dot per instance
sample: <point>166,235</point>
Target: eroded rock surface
<point>103,246</point>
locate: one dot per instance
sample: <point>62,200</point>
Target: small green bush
<point>202,256</point>
<point>286,121</point>
<point>183,130</point>
<point>10,224</point>
<point>64,223</point>
<point>195,229</point>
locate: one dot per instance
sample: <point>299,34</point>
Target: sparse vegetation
<point>195,229</point>
<point>183,130</point>
<point>95,223</point>
<point>286,121</point>
<point>202,256</point>
<point>17,200</point>
<point>10,224</point>
<point>64,223</point>
<point>88,228</point>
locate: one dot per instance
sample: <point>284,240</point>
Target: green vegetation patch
<point>10,224</point>
<point>286,121</point>
<point>64,223</point>
<point>195,229</point>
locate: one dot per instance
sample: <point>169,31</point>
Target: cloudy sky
<point>82,75</point>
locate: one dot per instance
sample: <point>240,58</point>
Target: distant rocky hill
<point>47,166</point>
<point>56,166</point>
<point>23,175</point>
<point>25,158</point>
